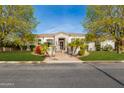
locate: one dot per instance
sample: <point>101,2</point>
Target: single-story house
<point>62,39</point>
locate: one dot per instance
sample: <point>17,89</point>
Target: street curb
<point>104,61</point>
<point>54,62</point>
<point>21,62</point>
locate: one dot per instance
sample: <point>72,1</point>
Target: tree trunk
<point>3,49</point>
<point>21,48</point>
<point>28,48</point>
<point>2,45</point>
<point>10,49</point>
<point>118,46</point>
<point>71,50</point>
<point>75,50</point>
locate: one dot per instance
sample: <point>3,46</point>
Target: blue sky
<point>59,18</point>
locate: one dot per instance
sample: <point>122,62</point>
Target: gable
<point>61,35</point>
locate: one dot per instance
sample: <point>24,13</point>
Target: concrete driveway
<point>62,75</point>
<point>61,57</point>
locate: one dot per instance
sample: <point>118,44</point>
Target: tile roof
<point>45,35</point>
<point>53,34</point>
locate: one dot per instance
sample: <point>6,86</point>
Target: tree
<point>77,43</point>
<point>106,22</point>
<point>19,20</point>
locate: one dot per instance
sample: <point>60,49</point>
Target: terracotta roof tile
<point>45,35</point>
<point>53,34</point>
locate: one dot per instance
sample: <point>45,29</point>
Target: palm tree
<point>77,43</point>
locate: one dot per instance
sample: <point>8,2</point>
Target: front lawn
<point>103,55</point>
<point>19,56</point>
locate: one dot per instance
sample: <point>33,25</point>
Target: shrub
<point>107,47</point>
<point>38,49</point>
<point>97,45</point>
<point>44,49</point>
<point>32,47</point>
<point>82,50</point>
<point>41,49</point>
<point>24,47</point>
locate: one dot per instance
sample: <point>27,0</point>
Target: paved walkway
<point>62,58</point>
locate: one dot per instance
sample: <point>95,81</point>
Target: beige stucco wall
<point>61,35</point>
<point>108,42</point>
<point>67,38</point>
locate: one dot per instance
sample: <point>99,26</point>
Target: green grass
<point>19,56</point>
<point>103,55</point>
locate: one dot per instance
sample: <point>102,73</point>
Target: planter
<point>51,51</point>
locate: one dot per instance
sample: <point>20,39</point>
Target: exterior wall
<point>108,42</point>
<point>61,35</point>
<point>45,39</point>
<point>68,39</point>
<point>42,40</point>
<point>91,46</point>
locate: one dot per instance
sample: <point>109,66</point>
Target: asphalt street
<point>62,75</point>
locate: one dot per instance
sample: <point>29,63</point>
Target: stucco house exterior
<point>92,47</point>
<point>61,39</point>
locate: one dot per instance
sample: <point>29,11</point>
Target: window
<point>50,41</point>
<point>39,40</point>
<point>72,39</point>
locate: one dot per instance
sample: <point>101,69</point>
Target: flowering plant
<point>38,49</point>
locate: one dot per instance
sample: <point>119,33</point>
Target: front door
<point>61,46</point>
<point>62,43</point>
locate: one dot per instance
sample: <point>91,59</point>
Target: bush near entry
<point>32,47</point>
<point>38,49</point>
<point>107,48</point>
<point>82,50</point>
<point>41,49</point>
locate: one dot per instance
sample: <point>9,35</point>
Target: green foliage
<point>78,43</point>
<point>12,39</point>
<point>17,21</point>
<point>20,56</point>
<point>32,47</point>
<point>82,50</point>
<point>105,22</point>
<point>107,48</point>
<point>44,49</point>
<point>97,45</point>
<point>90,37</point>
<point>103,55</point>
